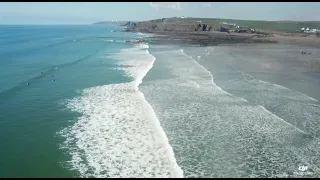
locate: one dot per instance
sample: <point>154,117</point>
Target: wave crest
<point>118,133</point>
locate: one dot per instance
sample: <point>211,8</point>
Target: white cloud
<point>165,5</point>
<point>207,5</point>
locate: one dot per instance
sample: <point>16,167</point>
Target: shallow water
<point>216,132</point>
<point>98,107</point>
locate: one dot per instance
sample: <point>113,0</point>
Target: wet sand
<point>281,64</point>
<point>233,110</point>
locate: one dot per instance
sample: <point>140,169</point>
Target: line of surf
<point>277,85</point>
<point>118,133</point>
<point>178,171</point>
<point>283,88</point>
<point>263,108</point>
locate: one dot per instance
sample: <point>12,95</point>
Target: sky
<point>89,12</point>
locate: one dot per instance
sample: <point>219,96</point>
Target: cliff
<point>171,24</point>
<point>222,31</point>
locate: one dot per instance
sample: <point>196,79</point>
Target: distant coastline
<point>111,22</point>
<point>208,32</point>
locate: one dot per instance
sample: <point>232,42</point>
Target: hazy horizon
<point>145,20</point>
<point>90,12</point>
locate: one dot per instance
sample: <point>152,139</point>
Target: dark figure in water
<point>53,80</point>
<point>304,52</point>
<point>28,83</point>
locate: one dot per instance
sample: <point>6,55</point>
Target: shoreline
<point>187,80</point>
<point>210,32</point>
<point>219,38</point>
<point>306,45</point>
<point>201,39</point>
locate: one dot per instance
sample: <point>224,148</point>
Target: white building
<point>308,30</point>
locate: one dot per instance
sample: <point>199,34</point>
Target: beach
<point>236,111</point>
<point>111,103</point>
<point>237,105</point>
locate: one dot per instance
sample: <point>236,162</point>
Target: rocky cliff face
<point>130,25</point>
<point>169,24</point>
<point>203,27</point>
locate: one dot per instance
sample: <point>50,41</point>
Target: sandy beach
<point>258,110</point>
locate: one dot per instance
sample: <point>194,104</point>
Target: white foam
<point>242,99</point>
<point>203,122</point>
<point>277,86</point>
<point>187,83</point>
<point>120,41</point>
<point>278,118</point>
<point>196,84</point>
<point>311,98</point>
<point>208,72</point>
<point>118,134</point>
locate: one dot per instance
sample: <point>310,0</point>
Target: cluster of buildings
<point>236,28</point>
<point>230,24</point>
<point>308,30</point>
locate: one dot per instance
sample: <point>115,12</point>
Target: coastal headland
<point>210,32</point>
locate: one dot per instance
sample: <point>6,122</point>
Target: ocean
<point>224,118</point>
<point>78,101</point>
<point>53,78</point>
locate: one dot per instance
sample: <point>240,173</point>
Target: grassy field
<point>284,26</point>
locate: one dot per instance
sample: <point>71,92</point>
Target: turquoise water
<point>77,101</point>
<point>57,62</point>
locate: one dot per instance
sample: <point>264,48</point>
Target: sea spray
<point>118,133</point>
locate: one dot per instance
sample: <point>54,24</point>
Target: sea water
<point>70,105</point>
<point>78,101</point>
